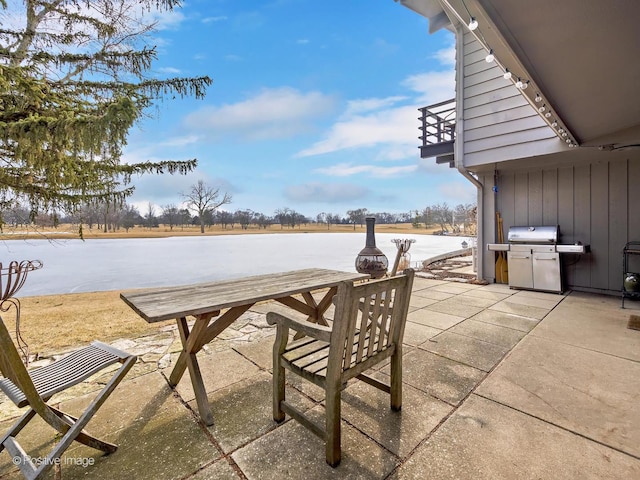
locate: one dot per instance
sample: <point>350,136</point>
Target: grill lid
<point>534,234</point>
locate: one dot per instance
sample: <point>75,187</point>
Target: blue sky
<point>313,106</point>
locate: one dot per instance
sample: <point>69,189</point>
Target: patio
<point>498,383</point>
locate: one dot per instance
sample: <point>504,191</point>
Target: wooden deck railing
<point>438,123</point>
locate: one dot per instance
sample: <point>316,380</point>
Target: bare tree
<point>170,215</point>
<point>244,218</point>
<point>202,199</point>
<point>130,216</point>
<point>150,216</point>
<point>357,216</point>
<point>442,215</point>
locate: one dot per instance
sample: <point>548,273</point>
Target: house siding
<point>499,123</point>
<point>593,202</point>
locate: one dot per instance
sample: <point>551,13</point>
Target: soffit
<point>583,56</point>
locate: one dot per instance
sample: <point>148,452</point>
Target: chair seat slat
<point>62,374</point>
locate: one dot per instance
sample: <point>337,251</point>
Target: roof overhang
<point>579,57</point>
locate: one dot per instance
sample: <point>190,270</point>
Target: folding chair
<point>331,356</point>
<point>36,387</point>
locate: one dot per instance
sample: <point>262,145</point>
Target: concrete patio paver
<point>598,325</point>
<point>438,376</point>
<point>235,368</point>
<point>487,332</point>
<point>467,350</point>
<point>399,432</point>
<point>157,436</point>
<point>455,288</point>
<point>484,440</point>
<point>415,333</point>
<point>452,306</point>
<point>548,301</point>
<point>291,452</point>
<point>433,294</point>
<point>441,321</point>
<point>243,411</point>
<point>509,320</point>
<point>587,392</point>
<point>506,306</point>
<point>419,302</point>
<point>483,292</point>
<point>220,470</point>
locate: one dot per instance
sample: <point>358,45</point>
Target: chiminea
<point>371,260</point>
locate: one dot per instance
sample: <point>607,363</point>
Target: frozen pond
<point>95,265</point>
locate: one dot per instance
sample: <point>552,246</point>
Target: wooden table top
<point>164,303</point>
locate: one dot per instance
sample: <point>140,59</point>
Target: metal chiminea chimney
<point>371,260</point>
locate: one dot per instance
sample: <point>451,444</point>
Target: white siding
<point>499,124</point>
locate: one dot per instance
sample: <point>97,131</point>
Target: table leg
<point>191,362</point>
<point>189,341</point>
<point>192,343</point>
<point>325,303</point>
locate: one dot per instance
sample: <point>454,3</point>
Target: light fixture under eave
<point>507,74</point>
<point>490,57</point>
<point>542,108</point>
<point>525,85</point>
<point>473,24</point>
<point>519,83</point>
<point>538,98</point>
<point>554,124</point>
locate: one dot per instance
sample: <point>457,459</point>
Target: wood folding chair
<point>330,356</point>
<point>36,387</point>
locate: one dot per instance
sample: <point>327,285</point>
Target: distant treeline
<point>112,218</point>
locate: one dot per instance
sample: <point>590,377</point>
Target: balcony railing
<point>438,127</point>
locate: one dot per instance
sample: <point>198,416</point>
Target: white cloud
<point>168,189</point>
<point>181,141</point>
<point>387,123</point>
<point>446,56</point>
<point>167,20</point>
<point>171,70</point>
<point>391,126</point>
<point>302,41</point>
<point>458,192</point>
<point>272,113</point>
<point>347,169</point>
<point>325,192</point>
<point>355,107</point>
<point>220,18</point>
<point>432,87</point>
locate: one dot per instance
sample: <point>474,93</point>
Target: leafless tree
<point>170,215</point>
<point>202,199</point>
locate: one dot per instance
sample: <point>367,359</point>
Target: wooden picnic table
<point>205,302</point>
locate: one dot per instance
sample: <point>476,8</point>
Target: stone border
<point>446,256</point>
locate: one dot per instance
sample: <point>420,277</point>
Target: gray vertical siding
<point>594,202</point>
<point>499,124</point>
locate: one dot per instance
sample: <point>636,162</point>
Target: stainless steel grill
<point>533,257</point>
